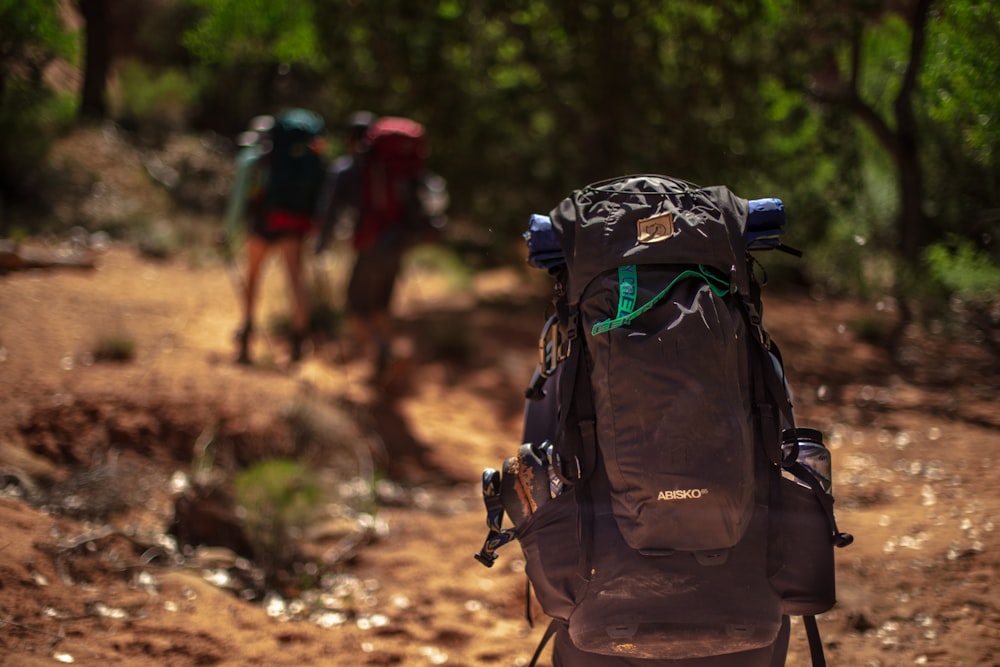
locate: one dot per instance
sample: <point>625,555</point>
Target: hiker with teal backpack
<point>279,175</point>
<point>669,509</point>
<point>390,200</point>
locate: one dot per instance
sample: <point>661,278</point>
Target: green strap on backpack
<point>628,288</point>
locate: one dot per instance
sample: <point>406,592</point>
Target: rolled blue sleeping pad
<point>765,214</point>
<point>543,244</point>
<point>765,224</point>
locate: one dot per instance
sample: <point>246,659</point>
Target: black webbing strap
<point>776,382</point>
<point>582,404</point>
<point>577,445</point>
<point>549,631</point>
<point>815,643</point>
<point>569,444</point>
<point>825,499</point>
<point>527,602</point>
<point>585,529</point>
<point>770,401</point>
<point>770,392</point>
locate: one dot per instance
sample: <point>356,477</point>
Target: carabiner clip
<point>552,347</point>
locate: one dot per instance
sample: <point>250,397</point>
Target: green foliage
<point>32,37</point>
<point>441,261</point>
<point>971,279</point>
<point>963,270</point>
<point>962,81</point>
<point>960,90</point>
<point>31,115</point>
<point>526,100</point>
<point>254,31</point>
<point>155,101</point>
<point>280,498</point>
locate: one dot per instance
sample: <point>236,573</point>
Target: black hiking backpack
<point>667,506</point>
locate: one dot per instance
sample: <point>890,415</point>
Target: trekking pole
<point>497,536</point>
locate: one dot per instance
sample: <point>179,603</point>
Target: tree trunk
<point>911,186</point>
<point>97,58</point>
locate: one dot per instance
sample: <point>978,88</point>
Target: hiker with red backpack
<point>279,176</point>
<point>383,188</point>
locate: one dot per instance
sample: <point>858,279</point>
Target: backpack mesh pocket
<point>551,547</point>
<point>806,578</point>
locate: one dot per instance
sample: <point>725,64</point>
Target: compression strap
<point>627,290</point>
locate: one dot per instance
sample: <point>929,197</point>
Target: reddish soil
<point>914,450</point>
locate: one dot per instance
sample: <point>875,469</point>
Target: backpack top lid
<point>292,136</point>
<point>650,219</point>
<point>396,126</point>
<point>301,120</point>
<point>400,144</point>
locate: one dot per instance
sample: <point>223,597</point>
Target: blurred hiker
<point>383,191</point>
<point>279,176</point>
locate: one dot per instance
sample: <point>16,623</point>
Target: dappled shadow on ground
<point>402,455</point>
<point>911,449</point>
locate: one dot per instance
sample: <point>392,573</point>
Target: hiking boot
<point>295,346</point>
<point>383,362</point>
<point>243,344</point>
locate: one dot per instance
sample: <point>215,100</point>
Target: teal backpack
<point>295,170</point>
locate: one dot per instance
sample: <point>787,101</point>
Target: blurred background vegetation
<point>876,121</point>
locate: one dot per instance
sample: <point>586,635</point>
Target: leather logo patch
<point>655,229</point>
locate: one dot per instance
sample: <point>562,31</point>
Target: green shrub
<point>970,279</point>
<point>280,498</point>
<point>159,240</point>
<point>963,270</point>
<point>31,117</point>
<point>115,348</point>
<point>438,260</point>
<point>154,102</point>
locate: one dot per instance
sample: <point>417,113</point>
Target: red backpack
<point>393,166</point>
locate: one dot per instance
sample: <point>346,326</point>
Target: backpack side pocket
<point>806,578</point>
<point>550,543</point>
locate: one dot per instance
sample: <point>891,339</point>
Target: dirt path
<point>913,454</point>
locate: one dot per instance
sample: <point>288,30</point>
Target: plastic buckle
<point>841,540</point>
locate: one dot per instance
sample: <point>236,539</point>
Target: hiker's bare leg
<point>291,249</point>
<point>257,249</point>
<point>360,331</point>
<point>378,333</point>
<point>381,327</point>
